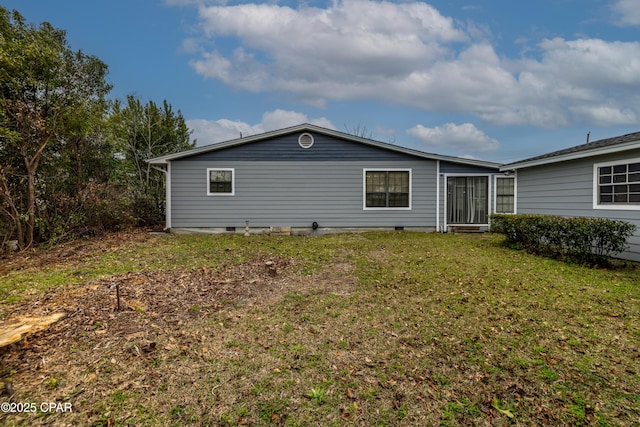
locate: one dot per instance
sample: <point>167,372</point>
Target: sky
<point>497,80</point>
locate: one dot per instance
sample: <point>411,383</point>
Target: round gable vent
<point>305,140</point>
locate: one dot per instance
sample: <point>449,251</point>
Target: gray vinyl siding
<point>566,189</point>
<point>460,168</point>
<point>288,193</point>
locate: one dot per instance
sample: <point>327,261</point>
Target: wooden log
<point>12,330</point>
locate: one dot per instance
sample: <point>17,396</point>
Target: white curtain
<point>467,199</point>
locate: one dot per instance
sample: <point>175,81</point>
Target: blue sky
<point>497,80</point>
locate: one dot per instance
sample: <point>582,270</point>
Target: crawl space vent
<point>305,140</point>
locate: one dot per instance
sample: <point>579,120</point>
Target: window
<point>617,185</point>
<point>505,195</point>
<point>220,182</point>
<point>387,189</point>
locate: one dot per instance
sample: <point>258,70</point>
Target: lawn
<point>355,329</point>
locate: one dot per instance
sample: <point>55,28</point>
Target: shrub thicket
<point>585,240</point>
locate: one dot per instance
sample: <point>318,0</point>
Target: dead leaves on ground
<point>156,312</point>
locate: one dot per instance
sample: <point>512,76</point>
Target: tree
<point>359,130</point>
<point>43,85</point>
<point>147,131</point>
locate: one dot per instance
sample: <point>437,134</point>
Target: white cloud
<point>627,11</point>
<point>603,115</point>
<point>341,52</point>
<point>590,63</point>
<point>409,54</point>
<point>212,131</point>
<point>461,138</point>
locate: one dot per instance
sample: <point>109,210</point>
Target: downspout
<point>168,199</point>
<point>515,191</point>
<point>437,196</point>
<point>444,202</point>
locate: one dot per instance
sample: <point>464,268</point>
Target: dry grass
<point>364,329</point>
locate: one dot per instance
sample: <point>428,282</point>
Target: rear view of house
<point>598,179</point>
<point>307,177</point>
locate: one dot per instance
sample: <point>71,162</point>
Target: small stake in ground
<point>117,286</point>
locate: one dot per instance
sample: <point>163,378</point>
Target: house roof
<point>616,144</point>
<point>163,160</point>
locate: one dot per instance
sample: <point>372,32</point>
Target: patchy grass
<point>354,329</point>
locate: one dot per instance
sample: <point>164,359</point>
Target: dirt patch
<point>155,308</point>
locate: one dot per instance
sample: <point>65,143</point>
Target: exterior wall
<point>278,183</point>
<point>566,189</point>
<point>462,169</point>
<point>285,193</point>
<point>286,148</point>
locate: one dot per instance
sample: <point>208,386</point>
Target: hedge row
<point>586,240</point>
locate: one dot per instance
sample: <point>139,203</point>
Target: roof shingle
<point>630,137</point>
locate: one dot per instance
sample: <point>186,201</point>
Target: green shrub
<point>586,240</point>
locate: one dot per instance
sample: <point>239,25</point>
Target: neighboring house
<point>306,174</point>
<point>597,179</point>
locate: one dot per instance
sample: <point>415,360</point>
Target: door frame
<point>489,197</point>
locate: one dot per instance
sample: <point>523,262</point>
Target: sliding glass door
<point>467,199</point>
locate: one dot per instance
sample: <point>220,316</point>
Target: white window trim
<point>515,192</point>
<point>364,189</point>
<point>233,182</point>
<point>596,183</point>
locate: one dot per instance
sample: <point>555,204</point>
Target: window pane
<point>620,169</point>
<point>606,189</point>
<point>620,178</point>
<point>398,182</point>
<point>398,200</point>
<point>620,189</point>
<point>504,204</point>
<point>220,181</point>
<point>606,198</point>
<point>634,167</point>
<point>634,198</point>
<point>376,200</point>
<point>634,177</point>
<point>220,176</point>
<point>620,198</point>
<point>606,179</point>
<point>476,200</point>
<point>220,187</point>
<point>376,182</point>
<point>605,170</point>
<point>505,186</point>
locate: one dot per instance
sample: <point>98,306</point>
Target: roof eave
<point>572,156</point>
<point>162,160</point>
<point>225,144</point>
